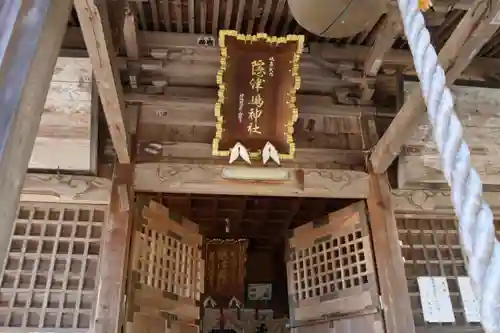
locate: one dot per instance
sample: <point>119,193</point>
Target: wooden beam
<point>66,189</point>
<point>209,179</point>
<point>185,105</point>
<point>479,37</point>
<point>432,204</point>
<point>201,153</point>
<point>383,43</point>
<point>398,316</point>
<point>394,59</point>
<point>31,34</point>
<point>114,253</point>
<point>131,45</point>
<point>401,128</point>
<point>177,49</point>
<point>94,20</point>
<point>130,35</point>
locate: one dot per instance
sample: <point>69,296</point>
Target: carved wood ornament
<point>255,111</point>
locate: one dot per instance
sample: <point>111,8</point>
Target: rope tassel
<point>476,228</point>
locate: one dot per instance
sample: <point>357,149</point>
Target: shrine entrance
<point>252,264</point>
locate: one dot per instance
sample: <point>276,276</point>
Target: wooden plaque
<point>258,80</point>
<point>225,264</point>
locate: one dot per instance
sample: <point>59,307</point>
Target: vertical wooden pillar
<point>31,34</point>
<point>398,316</point>
<point>114,256</point>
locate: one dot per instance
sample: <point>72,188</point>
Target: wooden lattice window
<point>166,272</point>
<point>330,268</point>
<point>49,278</point>
<point>431,249</point>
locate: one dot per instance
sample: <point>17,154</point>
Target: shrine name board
<point>225,262</point>
<point>258,80</point>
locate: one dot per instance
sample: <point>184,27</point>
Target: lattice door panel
<point>167,271</point>
<point>431,250</point>
<point>49,280</point>
<point>330,267</point>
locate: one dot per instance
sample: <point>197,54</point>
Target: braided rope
<point>477,231</point>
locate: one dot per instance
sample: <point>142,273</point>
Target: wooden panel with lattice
<point>431,249</point>
<point>330,266</point>
<point>50,273</point>
<point>167,268</point>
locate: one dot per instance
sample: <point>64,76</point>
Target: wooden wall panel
<point>64,136</point>
<point>477,109</point>
<point>50,274</point>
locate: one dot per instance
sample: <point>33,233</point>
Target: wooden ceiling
<point>264,220</point>
<point>274,18</point>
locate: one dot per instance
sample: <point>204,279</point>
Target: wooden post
<point>31,34</point>
<point>398,316</point>
<point>114,256</point>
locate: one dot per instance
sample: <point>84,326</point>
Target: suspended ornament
<point>270,151</point>
<point>234,303</point>
<point>209,302</point>
<point>237,151</point>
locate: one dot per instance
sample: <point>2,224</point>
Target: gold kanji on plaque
<point>258,80</point>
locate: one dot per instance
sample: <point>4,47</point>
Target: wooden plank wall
<point>478,111</point>
<point>65,138</point>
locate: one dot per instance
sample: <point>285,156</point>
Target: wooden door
<point>331,275</point>
<point>166,275</point>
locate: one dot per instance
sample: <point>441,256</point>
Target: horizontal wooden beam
<point>394,59</point>
<point>66,189</point>
<point>182,105</point>
<point>201,153</point>
<point>175,48</point>
<point>407,203</point>
<point>425,203</point>
<point>211,179</point>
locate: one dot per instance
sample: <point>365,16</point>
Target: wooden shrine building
<point>121,211</point>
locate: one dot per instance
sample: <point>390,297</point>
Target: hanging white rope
<point>477,231</point>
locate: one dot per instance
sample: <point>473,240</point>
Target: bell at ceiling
<point>337,18</point>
